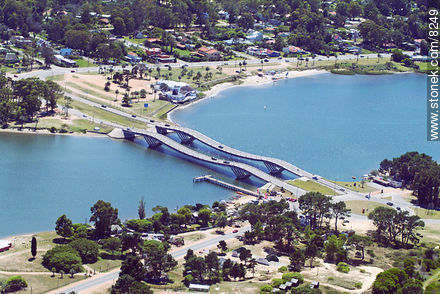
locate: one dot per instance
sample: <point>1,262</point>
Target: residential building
<point>254,36</point>
<point>133,57</point>
<point>209,53</point>
<point>176,92</point>
<point>293,50</point>
<point>66,52</point>
<point>65,61</point>
<point>11,58</point>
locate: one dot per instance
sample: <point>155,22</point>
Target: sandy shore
<point>252,80</point>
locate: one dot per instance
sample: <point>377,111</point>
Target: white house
<point>254,36</point>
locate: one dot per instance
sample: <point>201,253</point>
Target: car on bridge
<point>213,158</point>
<point>220,146</point>
<point>225,161</point>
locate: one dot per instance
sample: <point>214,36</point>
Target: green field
<point>312,187</point>
<point>44,283</point>
<point>427,213</point>
<point>356,206</point>
<point>135,41</point>
<point>358,187</point>
<point>83,63</point>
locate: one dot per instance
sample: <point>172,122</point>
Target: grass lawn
<point>83,63</point>
<point>104,115</point>
<point>312,187</point>
<point>356,206</point>
<point>104,265</point>
<point>44,283</point>
<point>78,125</point>
<point>135,41</point>
<point>427,213</point>
<point>430,233</point>
<point>194,237</point>
<point>357,188</point>
<point>56,78</point>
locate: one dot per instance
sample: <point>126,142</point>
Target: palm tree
<point>357,57</point>
<point>307,61</point>
<point>239,64</point>
<point>116,92</point>
<point>336,58</point>
<point>61,273</point>
<point>378,57</point>
<point>244,64</point>
<point>262,63</point>
<point>313,58</point>
<point>72,272</point>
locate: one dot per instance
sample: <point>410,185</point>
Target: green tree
<point>34,247</point>
<point>104,216</point>
<point>14,284</point>
<point>111,244</point>
<point>62,257</point>
<point>64,227</point>
<point>141,208</point>
<point>339,211</point>
<point>204,216</point>
<point>88,250</point>
<point>222,245</point>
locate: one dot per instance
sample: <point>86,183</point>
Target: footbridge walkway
<point>274,165</point>
<point>241,170</point>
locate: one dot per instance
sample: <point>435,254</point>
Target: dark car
<point>133,115</point>
<point>220,146</point>
<point>167,125</point>
<point>152,121</point>
<point>213,158</point>
<point>103,106</point>
<point>72,70</point>
<point>390,203</point>
<point>266,60</point>
<point>225,161</point>
<point>398,208</point>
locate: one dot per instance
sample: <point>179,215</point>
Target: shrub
<point>63,131</point>
<point>277,282</point>
<point>140,225</point>
<point>288,276</point>
<point>282,269</point>
<point>187,280</point>
<point>53,129</point>
<point>87,250</point>
<point>14,283</point>
<point>343,267</point>
<point>362,270</point>
<point>330,279</point>
<point>62,257</point>
<point>266,289</point>
<point>358,285</point>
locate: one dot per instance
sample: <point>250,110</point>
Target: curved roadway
<point>199,156</point>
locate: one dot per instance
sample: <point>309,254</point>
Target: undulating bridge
<point>241,170</point>
<point>274,165</point>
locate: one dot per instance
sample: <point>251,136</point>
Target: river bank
<point>32,131</point>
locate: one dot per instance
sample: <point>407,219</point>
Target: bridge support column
<point>161,130</point>
<point>273,168</point>
<point>128,135</point>
<point>152,142</point>
<point>185,138</point>
<point>240,173</point>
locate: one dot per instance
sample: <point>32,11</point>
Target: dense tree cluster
<point>21,100</point>
<point>418,172</point>
<point>395,226</point>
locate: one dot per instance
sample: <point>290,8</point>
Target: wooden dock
<point>210,179</point>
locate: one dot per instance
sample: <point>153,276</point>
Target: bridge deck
<point>202,157</point>
<point>232,151</point>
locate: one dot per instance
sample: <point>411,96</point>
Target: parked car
<point>390,203</point>
<point>133,115</point>
<point>398,208</point>
<point>103,106</point>
<point>235,231</point>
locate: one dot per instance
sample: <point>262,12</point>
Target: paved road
<point>83,286</point>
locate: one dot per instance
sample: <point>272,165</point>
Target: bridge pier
<point>128,135</point>
<point>161,130</point>
<point>185,138</point>
<point>240,173</point>
<point>152,142</point>
<point>273,168</point>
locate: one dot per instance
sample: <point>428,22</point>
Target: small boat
<point>264,107</point>
<point>241,193</point>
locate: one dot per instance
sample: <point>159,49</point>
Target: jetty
<point>211,179</point>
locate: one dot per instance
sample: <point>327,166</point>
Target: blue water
<point>42,177</point>
<point>331,125</point>
<point>335,126</point>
